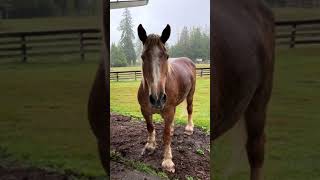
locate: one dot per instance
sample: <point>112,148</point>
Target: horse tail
<point>238,138</point>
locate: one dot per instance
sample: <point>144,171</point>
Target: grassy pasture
<point>52,23</point>
<point>43,108</point>
<point>124,101</point>
<point>43,116</point>
<point>37,24</point>
<point>293,147</point>
<point>296,13</point>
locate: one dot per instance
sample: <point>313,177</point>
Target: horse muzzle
<point>158,103</point>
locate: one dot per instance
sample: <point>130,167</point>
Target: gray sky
<point>158,13</point>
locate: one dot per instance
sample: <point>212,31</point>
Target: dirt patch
<point>121,172</point>
<point>190,153</point>
<point>29,174</point>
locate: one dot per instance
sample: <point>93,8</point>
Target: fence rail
<point>25,45</point>
<point>137,75</point>
<point>293,33</point>
<point>43,43</point>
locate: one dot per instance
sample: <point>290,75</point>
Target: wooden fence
<point>28,44</point>
<point>25,45</point>
<point>137,75</point>
<point>293,33</point>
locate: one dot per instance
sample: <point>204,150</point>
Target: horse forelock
<point>153,40</point>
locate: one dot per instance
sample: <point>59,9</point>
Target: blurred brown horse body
<point>165,84</point>
<point>98,105</point>
<point>243,60</point>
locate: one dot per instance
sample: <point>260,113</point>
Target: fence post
<point>81,46</point>
<point>201,72</point>
<point>23,48</point>
<point>117,76</point>
<point>293,36</point>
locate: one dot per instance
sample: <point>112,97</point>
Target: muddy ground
<point>29,174</point>
<point>190,153</point>
<point>128,136</point>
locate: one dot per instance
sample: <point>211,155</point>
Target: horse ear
<point>165,34</point>
<point>142,34</point>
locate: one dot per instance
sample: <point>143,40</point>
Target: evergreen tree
<point>138,49</point>
<point>126,26</point>
<point>117,56</point>
<point>196,43</point>
<point>193,44</point>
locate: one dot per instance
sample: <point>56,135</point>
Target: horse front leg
<point>167,163</point>
<point>151,141</point>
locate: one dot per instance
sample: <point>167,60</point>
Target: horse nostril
<point>152,100</point>
<point>163,98</point>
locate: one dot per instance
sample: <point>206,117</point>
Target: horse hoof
<point>171,133</point>
<point>188,130</point>
<point>150,147</point>
<point>168,165</point>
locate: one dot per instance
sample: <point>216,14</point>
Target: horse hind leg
<point>255,117</point>
<point>189,127</point>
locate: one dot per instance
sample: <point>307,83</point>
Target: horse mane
<point>153,40</point>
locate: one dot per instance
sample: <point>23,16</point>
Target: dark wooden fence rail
<point>61,42</point>
<point>292,33</point>
<point>24,45</point>
<point>137,75</point>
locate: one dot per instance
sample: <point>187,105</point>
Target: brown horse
<point>99,104</point>
<point>166,83</point>
<point>243,60</point>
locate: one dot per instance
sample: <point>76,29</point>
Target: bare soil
<point>23,173</point>
<point>191,154</point>
<point>128,137</point>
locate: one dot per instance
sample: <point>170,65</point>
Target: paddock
<point>58,110</point>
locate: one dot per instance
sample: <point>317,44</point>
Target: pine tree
<point>138,49</point>
<point>126,26</point>
<point>117,56</point>
<point>193,44</point>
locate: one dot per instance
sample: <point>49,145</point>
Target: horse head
<point>155,65</point>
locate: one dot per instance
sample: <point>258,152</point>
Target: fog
<point>158,13</point>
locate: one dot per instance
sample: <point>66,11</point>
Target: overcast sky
<point>158,13</point>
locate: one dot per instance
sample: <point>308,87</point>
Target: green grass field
<point>43,116</point>
<point>44,123</point>
<point>293,148</point>
<point>296,13</point>
<point>52,23</point>
<point>124,101</point>
<point>38,24</point>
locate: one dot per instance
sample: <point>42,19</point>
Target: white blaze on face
<point>155,68</point>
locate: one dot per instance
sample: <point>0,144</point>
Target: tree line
<point>193,43</point>
<point>44,8</point>
<point>294,3</point>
